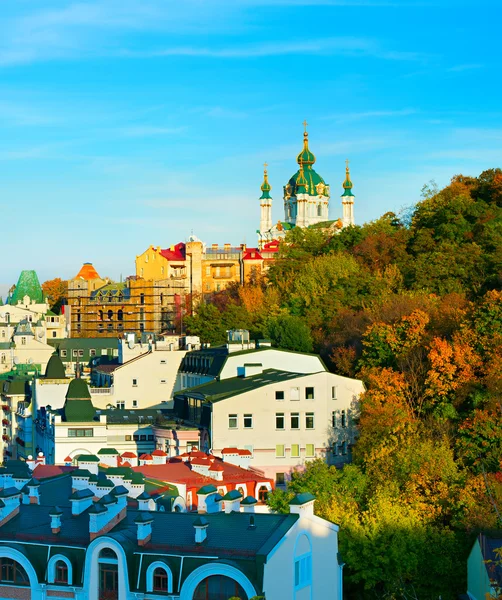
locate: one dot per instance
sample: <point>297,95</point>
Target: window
<point>163,381</point>
<point>343,448</point>
<point>135,437</point>
<point>80,432</point>
<point>23,341</point>
<point>344,419</point>
<point>295,420</point>
<point>12,572</point>
<point>160,580</point>
<point>309,450</point>
<point>54,334</point>
<point>135,404</point>
<point>92,352</point>
<point>61,574</point>
<point>309,420</point>
<point>263,494</point>
<point>163,361</point>
<point>295,450</point>
<point>279,420</point>
<point>81,353</point>
<point>121,405</point>
<point>63,353</point>
<point>294,393</point>
<point>219,587</point>
<point>334,392</point>
<point>142,438</point>
<point>248,421</point>
<point>128,438</point>
<point>279,451</point>
<point>232,422</point>
<point>151,438</point>
<point>108,575</point>
<point>279,395</point>
<point>333,419</point>
<point>218,272</point>
<point>134,383</point>
<point>74,353</point>
<point>309,393</point>
<point>208,271</point>
<point>280,479</point>
<point>303,571</point>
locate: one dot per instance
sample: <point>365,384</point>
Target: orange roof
<point>158,453</point>
<point>128,455</point>
<point>87,272</point>
<point>145,457</point>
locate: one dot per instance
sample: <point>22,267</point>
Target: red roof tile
<point>252,254</point>
<point>128,455</point>
<point>145,457</point>
<point>44,471</point>
<point>174,252</point>
<point>158,453</point>
<point>126,464</point>
<point>87,272</point>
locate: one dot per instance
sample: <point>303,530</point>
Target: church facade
<point>306,200</point>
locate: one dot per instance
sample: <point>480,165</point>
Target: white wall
<point>273,358</point>
<point>263,436</point>
<point>50,392</point>
<point>322,538</point>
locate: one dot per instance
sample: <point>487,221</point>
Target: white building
<point>283,418</point>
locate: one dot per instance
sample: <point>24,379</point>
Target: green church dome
<point>55,368</point>
<point>347,184</point>
<point>306,180</point>
<point>265,186</point>
<point>306,157</point>
<point>78,390</point>
<point>27,285</point>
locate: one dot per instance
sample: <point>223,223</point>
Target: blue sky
<point>125,123</point>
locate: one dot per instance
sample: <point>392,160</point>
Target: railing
<point>102,391</point>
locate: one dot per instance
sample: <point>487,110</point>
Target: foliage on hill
<point>414,308</point>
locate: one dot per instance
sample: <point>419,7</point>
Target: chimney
<point>216,471</point>
<point>55,515</point>
<point>145,502</point>
<point>200,525</point>
<point>144,532</point>
<point>227,247</point>
<point>250,369</point>
<point>232,501</point>
<point>108,511</point>
<point>248,504</point>
<point>31,495</point>
<point>80,501</point>
<point>205,499</point>
<point>302,504</point>
<point>9,504</point>
<point>214,246</point>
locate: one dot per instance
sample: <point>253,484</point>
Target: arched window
<point>303,562</point>
<point>100,313</point>
<point>120,315</point>
<point>110,315</point>
<point>319,210</point>
<point>219,587</point>
<point>61,575</point>
<point>108,575</point>
<point>263,493</point>
<point>159,578</point>
<point>12,572</point>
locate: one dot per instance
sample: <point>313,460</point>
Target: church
<point>306,200</point>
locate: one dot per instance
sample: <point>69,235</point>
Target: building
<point>283,418</point>
<point>212,364</point>
<point>62,542</point>
<point>85,353</point>
<point>484,567</point>
<point>306,200</point>
<point>140,382</point>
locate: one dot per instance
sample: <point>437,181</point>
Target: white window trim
<point>306,581</point>
<point>51,568</point>
<point>149,576</point>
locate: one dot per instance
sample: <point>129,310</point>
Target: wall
<point>325,571</point>
<point>264,436</point>
<point>295,362</point>
<point>478,582</point>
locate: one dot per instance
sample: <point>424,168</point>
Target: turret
<point>347,199</point>
<point>265,203</point>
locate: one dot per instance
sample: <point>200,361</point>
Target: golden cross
<point>305,125</point>
<point>346,163</point>
<point>265,165</point>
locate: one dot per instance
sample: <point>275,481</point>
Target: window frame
<point>310,395</point>
<point>277,417</point>
<point>295,415</point>
<point>231,418</point>
<point>309,415</point>
<point>249,417</point>
<point>277,453</point>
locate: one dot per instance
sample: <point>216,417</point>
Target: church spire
<point>265,186</point>
<point>306,157</point>
<point>347,184</point>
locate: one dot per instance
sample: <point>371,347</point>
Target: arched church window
<point>12,572</point>
<point>319,210</point>
<point>219,587</point>
<point>120,315</point>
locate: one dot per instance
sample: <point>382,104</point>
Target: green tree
<point>207,323</point>
<point>290,333</point>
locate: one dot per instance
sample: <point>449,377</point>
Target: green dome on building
<point>55,368</point>
<point>306,180</point>
<point>306,157</point>
<point>265,186</point>
<point>27,285</point>
<point>78,405</point>
<point>347,184</point>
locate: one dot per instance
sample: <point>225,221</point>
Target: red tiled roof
<point>217,467</point>
<point>44,471</point>
<point>236,451</point>
<point>158,453</point>
<point>252,254</point>
<point>200,461</point>
<point>271,246</point>
<point>145,457</point>
<point>68,459</point>
<point>126,464</point>
<point>174,252</point>
<point>128,455</point>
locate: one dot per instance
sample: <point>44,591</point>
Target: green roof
<point>96,509</point>
<point>108,451</point>
<point>232,495</point>
<point>200,522</point>
<point>27,285</point>
<point>17,386</point>
<point>80,473</point>
<point>207,489</point>
<point>143,517</point>
<point>55,368</point>
<point>55,512</point>
<point>78,406</point>
<point>215,391</point>
<point>249,500</point>
<point>87,458</point>
<point>310,180</point>
<point>82,495</point>
<point>300,499</point>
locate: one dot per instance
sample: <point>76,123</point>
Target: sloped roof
<point>78,406</point>
<point>174,253</point>
<point>87,272</point>
<point>55,368</point>
<point>27,285</point>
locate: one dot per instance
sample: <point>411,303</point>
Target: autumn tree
<point>56,290</point>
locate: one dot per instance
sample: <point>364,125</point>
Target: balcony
<point>103,391</point>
